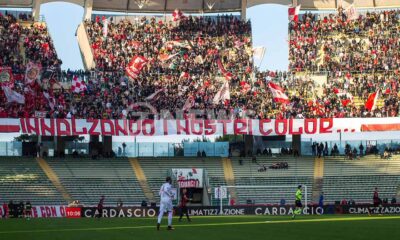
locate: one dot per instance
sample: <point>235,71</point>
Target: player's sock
<point>169,218</point>
<point>160,215</point>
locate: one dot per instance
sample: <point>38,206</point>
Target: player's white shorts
<point>166,206</point>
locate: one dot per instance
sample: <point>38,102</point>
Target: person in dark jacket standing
<point>183,205</point>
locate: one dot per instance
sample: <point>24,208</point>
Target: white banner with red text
<point>188,177</point>
<point>148,127</point>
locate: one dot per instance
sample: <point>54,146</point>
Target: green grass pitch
<point>206,228</point>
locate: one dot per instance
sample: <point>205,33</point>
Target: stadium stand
<point>247,172</point>
<point>86,180</point>
<point>22,179</point>
<point>356,179</point>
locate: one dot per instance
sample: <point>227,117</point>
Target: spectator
<point>361,147</point>
<point>375,199</point>
<point>321,200</point>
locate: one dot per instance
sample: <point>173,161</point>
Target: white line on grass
<point>342,219</point>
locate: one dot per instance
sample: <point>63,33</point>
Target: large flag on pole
<point>370,104</point>
<point>294,13</point>
<point>223,94</point>
<point>278,93</point>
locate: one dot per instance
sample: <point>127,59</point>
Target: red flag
<point>245,87</point>
<point>345,102</point>
<point>278,93</point>
<point>135,66</point>
<point>227,75</point>
<point>294,13</point>
<point>372,101</point>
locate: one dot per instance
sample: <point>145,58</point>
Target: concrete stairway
<point>229,176</point>
<point>54,179</point>
<point>140,175</point>
<point>318,178</point>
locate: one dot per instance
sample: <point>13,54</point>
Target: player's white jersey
<point>166,193</point>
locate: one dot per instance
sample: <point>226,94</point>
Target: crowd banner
<point>48,211</point>
<point>149,127</point>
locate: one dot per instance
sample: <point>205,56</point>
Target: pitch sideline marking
<point>209,224</point>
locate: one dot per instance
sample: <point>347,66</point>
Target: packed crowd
<point>191,59</point>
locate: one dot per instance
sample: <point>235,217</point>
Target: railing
<point>306,146</point>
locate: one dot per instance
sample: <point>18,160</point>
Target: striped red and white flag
<point>294,13</point>
<point>278,93</point>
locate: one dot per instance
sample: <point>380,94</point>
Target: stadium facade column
<point>244,9</point>
<point>36,9</point>
<point>88,9</point>
<point>248,145</point>
<point>107,145</point>
<point>296,143</point>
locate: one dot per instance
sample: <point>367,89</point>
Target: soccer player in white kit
<point>166,196</point>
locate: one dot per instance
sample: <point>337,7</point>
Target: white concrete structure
<point>195,6</point>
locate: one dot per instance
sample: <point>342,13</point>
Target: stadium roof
<point>202,5</point>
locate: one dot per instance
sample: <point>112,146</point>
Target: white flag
<point>51,100</point>
<point>259,52</point>
<point>223,94</point>
<point>351,13</point>
<point>13,96</point>
<point>105,27</point>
